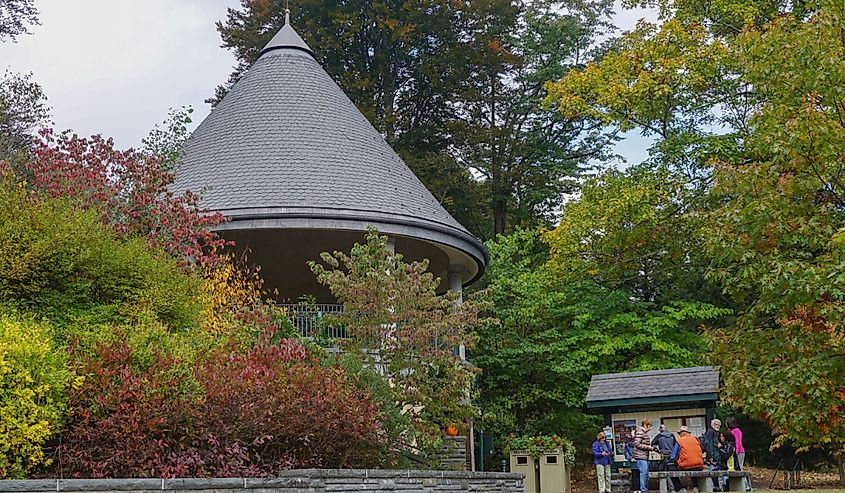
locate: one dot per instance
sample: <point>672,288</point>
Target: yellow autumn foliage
<point>34,379</point>
<point>231,289</point>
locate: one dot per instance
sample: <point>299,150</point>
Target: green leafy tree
<point>405,332</point>
<point>559,330</point>
<point>637,231</point>
<point>769,73</point>
<point>528,155</point>
<point>777,241</point>
<point>675,83</point>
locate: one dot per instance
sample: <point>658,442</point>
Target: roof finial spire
<point>285,38</point>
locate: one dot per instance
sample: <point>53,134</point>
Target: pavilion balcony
<point>311,321</point>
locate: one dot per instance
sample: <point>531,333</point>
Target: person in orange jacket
<point>687,454</point>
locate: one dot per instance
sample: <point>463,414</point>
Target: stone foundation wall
<point>453,454</point>
<point>296,481</point>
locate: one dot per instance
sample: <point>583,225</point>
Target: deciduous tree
<point>777,242</point>
<point>528,155</point>
<point>405,332</point>
<point>770,73</point>
<point>15,17</point>
<point>560,328</point>
<point>23,110</point>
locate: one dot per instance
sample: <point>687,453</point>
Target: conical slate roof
<point>287,142</point>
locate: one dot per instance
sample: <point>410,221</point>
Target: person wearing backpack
<point>642,446</point>
<point>664,441</point>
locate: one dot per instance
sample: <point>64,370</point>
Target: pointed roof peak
<point>287,38</point>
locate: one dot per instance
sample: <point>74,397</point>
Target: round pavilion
<point>298,170</point>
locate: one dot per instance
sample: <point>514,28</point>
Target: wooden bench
<point>735,479</point>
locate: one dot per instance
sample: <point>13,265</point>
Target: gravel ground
<point>584,481</point>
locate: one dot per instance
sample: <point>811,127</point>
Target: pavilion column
<point>391,245</point>
<point>456,285</point>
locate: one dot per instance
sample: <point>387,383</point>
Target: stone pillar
<point>456,285</point>
<point>456,282</point>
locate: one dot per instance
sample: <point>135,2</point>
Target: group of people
<point>715,450</point>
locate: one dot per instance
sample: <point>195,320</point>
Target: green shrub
<point>33,380</point>
<point>62,263</point>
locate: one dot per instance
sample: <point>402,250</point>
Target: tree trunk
<point>840,464</point>
<point>500,197</point>
<point>500,211</point>
<point>390,110</point>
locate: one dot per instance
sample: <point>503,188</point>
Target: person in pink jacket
<point>740,450</point>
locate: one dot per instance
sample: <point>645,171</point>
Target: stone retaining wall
<point>302,480</point>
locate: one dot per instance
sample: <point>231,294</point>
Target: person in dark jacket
<point>664,442</point>
<point>601,458</point>
<point>710,443</point>
<point>727,456</point>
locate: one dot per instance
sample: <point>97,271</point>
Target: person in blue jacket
<point>601,458</point>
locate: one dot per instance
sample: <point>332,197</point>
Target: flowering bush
<point>536,445</point>
<point>34,378</point>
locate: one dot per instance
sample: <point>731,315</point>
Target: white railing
<point>311,320</point>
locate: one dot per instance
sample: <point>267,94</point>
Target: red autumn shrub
<point>232,415</point>
<point>128,418</point>
<point>130,187</point>
<point>298,415</point>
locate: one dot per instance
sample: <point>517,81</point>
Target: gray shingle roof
<point>655,383</point>
<point>286,137</point>
<point>287,37</point>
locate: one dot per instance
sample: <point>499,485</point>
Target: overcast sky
<point>116,66</point>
